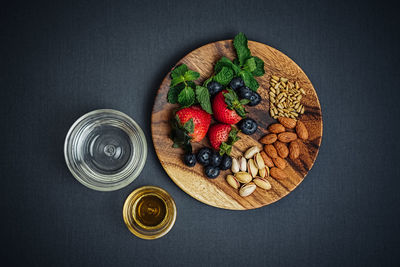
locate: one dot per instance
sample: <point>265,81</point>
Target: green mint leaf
<point>244,101</point>
<point>179,71</point>
<point>191,75</point>
<point>177,80</point>
<point>250,65</point>
<point>259,71</point>
<point>225,62</point>
<point>186,97</point>
<point>249,80</point>
<point>203,97</point>
<point>242,51</point>
<point>189,126</point>
<point>224,76</point>
<point>206,82</point>
<point>173,93</point>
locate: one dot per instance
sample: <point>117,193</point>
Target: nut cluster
<point>282,142</point>
<point>285,98</point>
<point>249,172</point>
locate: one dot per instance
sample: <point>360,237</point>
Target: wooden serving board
<point>216,192</point>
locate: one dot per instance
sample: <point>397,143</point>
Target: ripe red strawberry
<point>189,125</point>
<point>222,136</point>
<point>227,108</point>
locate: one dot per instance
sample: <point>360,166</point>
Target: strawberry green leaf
<point>244,101</point>
<point>242,51</point>
<point>224,76</point>
<point>259,71</point>
<point>189,126</point>
<point>203,97</point>
<point>226,147</point>
<point>180,134</point>
<point>186,97</point>
<point>232,100</point>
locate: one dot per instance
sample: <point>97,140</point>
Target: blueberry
<point>189,159</point>
<point>226,162</point>
<point>204,155</point>
<point>245,92</point>
<point>211,171</point>
<point>255,99</point>
<point>236,83</point>
<point>248,126</point>
<point>214,88</point>
<point>215,159</point>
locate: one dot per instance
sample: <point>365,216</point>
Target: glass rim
<point>119,184</point>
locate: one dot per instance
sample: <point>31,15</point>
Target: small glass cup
<point>130,213</point>
<point>105,150</point>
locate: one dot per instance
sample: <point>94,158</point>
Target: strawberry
<point>227,108</point>
<point>189,125</point>
<point>222,136</point>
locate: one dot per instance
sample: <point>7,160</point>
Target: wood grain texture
<point>216,192</point>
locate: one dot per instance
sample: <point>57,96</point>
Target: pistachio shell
<point>235,165</point>
<point>232,181</point>
<point>262,183</point>
<point>242,164</point>
<point>251,152</point>
<point>259,161</point>
<point>243,177</point>
<point>262,172</point>
<point>252,168</point>
<point>247,189</point>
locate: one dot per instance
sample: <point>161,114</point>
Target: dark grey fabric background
<point>62,59</point>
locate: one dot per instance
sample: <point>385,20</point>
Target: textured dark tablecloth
<point>61,59</point>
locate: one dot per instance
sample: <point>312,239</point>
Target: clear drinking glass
<point>105,150</point>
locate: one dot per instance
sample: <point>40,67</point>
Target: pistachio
<point>232,181</point>
<point>262,183</point>
<point>247,189</point>
<point>253,170</point>
<point>262,172</point>
<point>259,161</point>
<point>251,152</point>
<point>243,177</point>
<point>242,164</point>
<point>235,165</point>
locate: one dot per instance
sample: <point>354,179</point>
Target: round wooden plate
<point>216,192</point>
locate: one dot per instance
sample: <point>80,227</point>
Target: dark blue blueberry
<point>236,83</point>
<point>255,99</point>
<point>214,88</point>
<point>245,92</point>
<point>248,126</point>
<point>204,155</point>
<point>189,159</point>
<point>215,159</point>
<point>211,172</point>
<point>226,162</point>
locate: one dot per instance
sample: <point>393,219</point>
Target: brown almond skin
<point>278,173</point>
<point>271,151</point>
<point>283,150</point>
<point>280,163</point>
<point>276,128</point>
<point>287,137</point>
<point>301,130</point>
<point>269,139</point>
<point>267,160</point>
<point>287,122</point>
<point>294,150</point>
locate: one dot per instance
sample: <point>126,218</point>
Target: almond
<point>271,151</point>
<point>269,139</point>
<point>287,137</point>
<point>294,150</point>
<point>287,122</point>
<point>282,149</point>
<point>280,163</point>
<point>276,128</point>
<point>301,130</point>
<point>267,160</point>
<point>278,173</point>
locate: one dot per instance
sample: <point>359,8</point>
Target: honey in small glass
<point>150,211</point>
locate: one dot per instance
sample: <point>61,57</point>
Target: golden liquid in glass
<point>150,211</point>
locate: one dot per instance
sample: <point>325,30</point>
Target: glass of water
<point>105,150</point>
